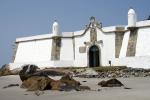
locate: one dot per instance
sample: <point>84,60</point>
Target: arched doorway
<point>94,59</point>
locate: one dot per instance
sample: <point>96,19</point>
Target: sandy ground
<point>140,90</point>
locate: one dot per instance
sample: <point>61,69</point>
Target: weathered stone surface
<point>69,83</point>
<point>33,80</point>
<point>16,71</point>
<point>56,46</point>
<point>57,85</point>
<point>111,83</point>
<point>37,83</point>
<point>131,49</point>
<point>66,83</point>
<point>118,43</point>
<point>68,80</point>
<point>27,71</point>
<point>5,70</point>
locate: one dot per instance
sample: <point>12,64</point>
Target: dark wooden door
<point>94,60</point>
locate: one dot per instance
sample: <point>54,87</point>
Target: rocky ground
<point>140,89</point>
<point>112,72</point>
<point>75,83</point>
<point>97,72</point>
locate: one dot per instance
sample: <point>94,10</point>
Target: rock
<point>111,83</point>
<point>66,83</point>
<point>70,84</point>
<point>57,85</point>
<point>102,83</point>
<point>5,70</point>
<point>78,71</point>
<point>83,88</point>
<point>112,75</point>
<point>27,71</point>
<point>53,72</point>
<point>88,73</point>
<point>37,83</point>
<point>40,73</point>
<point>38,93</point>
<point>16,71</point>
<point>68,80</point>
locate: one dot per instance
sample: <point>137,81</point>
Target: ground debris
<point>127,87</point>
<point>38,93</point>
<point>10,85</point>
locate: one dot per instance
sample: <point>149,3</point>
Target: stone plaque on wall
<point>82,49</point>
<point>93,35</point>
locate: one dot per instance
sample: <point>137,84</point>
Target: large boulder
<point>111,83</point>
<point>34,83</point>
<point>5,70</point>
<point>66,83</point>
<point>37,83</point>
<point>27,71</point>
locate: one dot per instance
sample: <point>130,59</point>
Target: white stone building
<point>91,47</point>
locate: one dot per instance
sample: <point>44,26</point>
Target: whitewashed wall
<point>135,62</point>
<point>66,52</point>
<point>107,48</point>
<point>81,58</point>
<point>143,42</point>
<point>34,51</point>
<point>142,56</point>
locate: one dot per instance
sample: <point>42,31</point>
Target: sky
<point>20,18</point>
